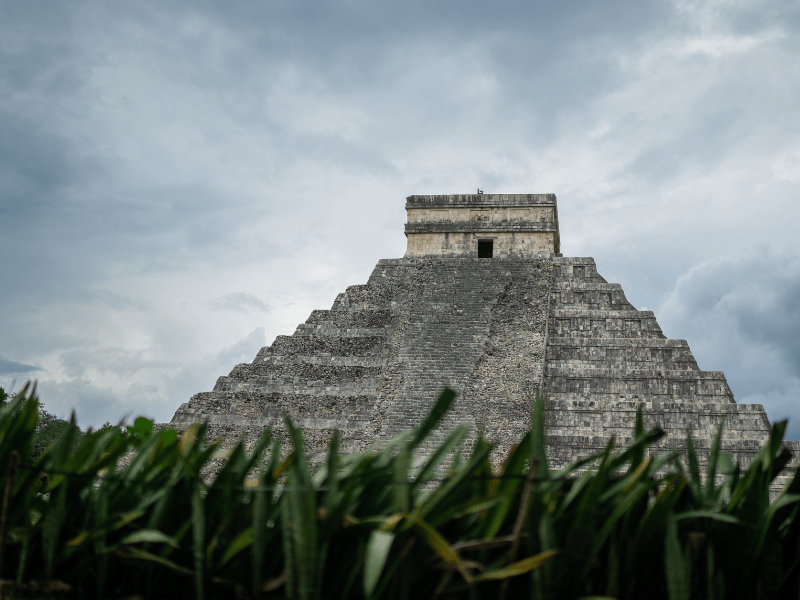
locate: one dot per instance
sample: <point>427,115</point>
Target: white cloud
<point>240,302</point>
<point>787,166</point>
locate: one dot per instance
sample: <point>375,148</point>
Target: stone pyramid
<point>485,303</point>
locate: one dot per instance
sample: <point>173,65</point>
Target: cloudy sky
<point>182,182</point>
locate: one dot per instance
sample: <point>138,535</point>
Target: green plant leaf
<point>442,405</point>
<point>444,549</point>
<point>239,543</point>
<point>142,428</point>
<point>198,540</point>
<point>763,528</point>
<point>127,518</point>
<point>520,567</point>
<point>711,465</point>
<point>139,554</point>
<point>694,468</point>
<point>301,534</point>
<point>149,535</point>
<point>400,484</point>
<point>709,514</point>
<point>455,438</point>
<point>538,439</point>
<point>378,547</point>
<point>448,487</point>
<point>676,565</point>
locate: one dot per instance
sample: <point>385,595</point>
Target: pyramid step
<point>262,374</point>
<point>321,406</point>
<point>370,296</point>
<point>639,396</point>
<point>630,406</point>
<point>239,422</point>
<point>259,405</point>
<point>571,322</point>
<point>585,285</point>
<point>564,448</point>
<point>327,360</point>
<point>249,370</point>
<point>749,419</point>
<point>576,268</point>
<point>305,330</point>
<point>400,269</point>
<point>561,312</point>
<point>359,319</point>
<point>309,345</point>
<point>593,301</point>
<point>616,342</point>
<point>588,329</point>
<point>710,386</point>
<point>362,386</point>
<point>593,358</point>
<point>555,371</point>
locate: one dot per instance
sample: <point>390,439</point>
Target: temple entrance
<point>485,248</point>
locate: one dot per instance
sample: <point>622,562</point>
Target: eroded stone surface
<point>605,359</point>
<point>497,330</point>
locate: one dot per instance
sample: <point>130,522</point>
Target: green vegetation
<point>49,428</point>
<point>378,525</point>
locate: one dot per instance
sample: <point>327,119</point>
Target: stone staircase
<point>325,377</point>
<point>605,359</point>
<point>374,364</point>
<point>476,326</point>
<point>498,332</point>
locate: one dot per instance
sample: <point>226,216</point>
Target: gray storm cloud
<point>179,184</point>
<point>741,314</point>
<point>10,367</point>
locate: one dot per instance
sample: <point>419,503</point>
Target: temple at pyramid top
<point>483,226</point>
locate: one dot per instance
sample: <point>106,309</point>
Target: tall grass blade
<point>453,440</point>
<point>378,547</point>
<point>198,540</point>
<point>538,435</point>
<point>676,565</point>
<point>241,542</point>
<point>711,466</point>
<point>442,405</point>
<point>637,456</point>
<point>443,548</point>
<point>695,485</point>
<point>520,567</point>
<point>300,516</point>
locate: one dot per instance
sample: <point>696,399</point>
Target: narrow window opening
<point>485,248</point>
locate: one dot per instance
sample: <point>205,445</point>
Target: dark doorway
<point>485,248</point>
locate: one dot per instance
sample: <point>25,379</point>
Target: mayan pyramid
<point>483,302</point>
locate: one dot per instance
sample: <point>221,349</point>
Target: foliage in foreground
<point>373,526</point>
<point>49,428</point>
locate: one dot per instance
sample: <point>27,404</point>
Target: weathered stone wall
<point>465,245</point>
<point>456,201</point>
<point>325,376</point>
<point>605,359</point>
<point>521,226</point>
<point>509,373</point>
<point>466,318</point>
<point>484,213</point>
<point>374,364</point>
